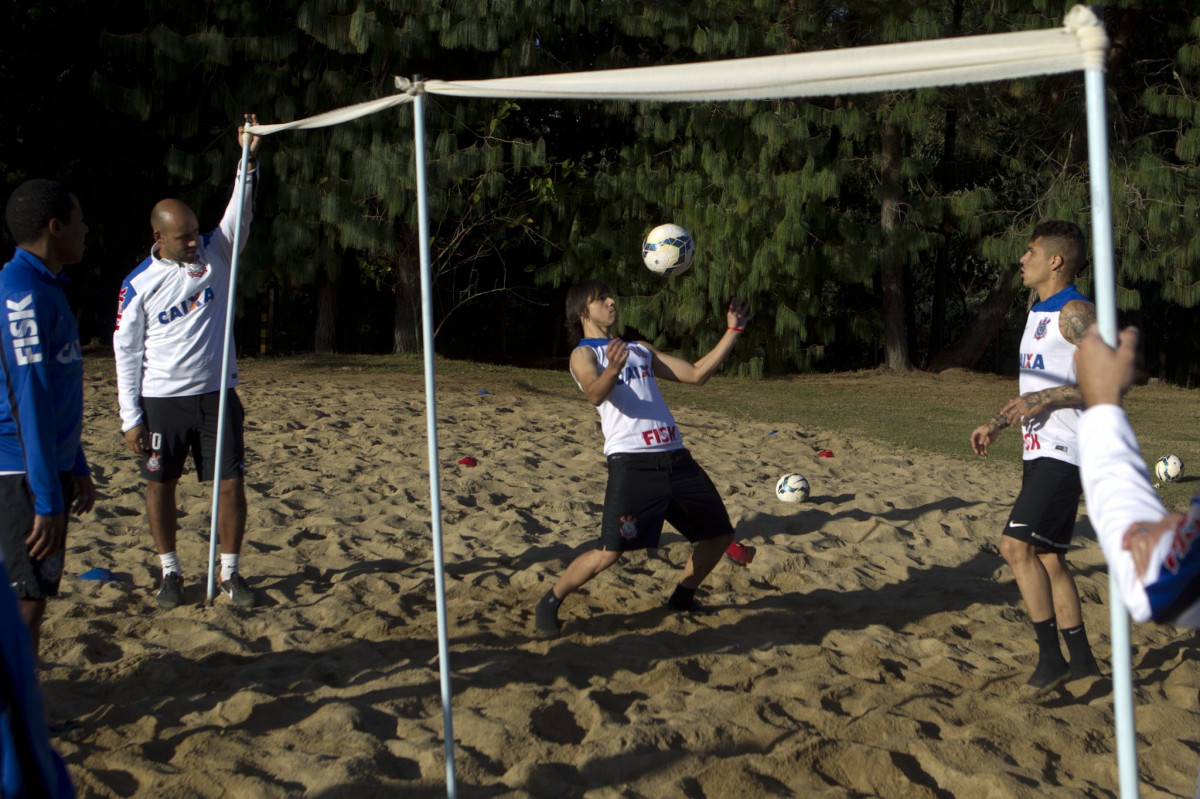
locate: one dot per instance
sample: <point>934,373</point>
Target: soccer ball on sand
<point>668,250</point>
<point>792,488</point>
<point>1168,468</point>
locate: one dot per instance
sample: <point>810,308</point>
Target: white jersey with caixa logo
<point>1047,360</point>
<point>634,416</point>
<point>171,320</point>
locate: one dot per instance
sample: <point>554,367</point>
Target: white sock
<point>229,564</point>
<point>170,563</point>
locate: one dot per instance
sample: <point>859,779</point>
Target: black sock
<point>1047,637</point>
<point>682,599</point>
<point>550,602</point>
<point>1079,650</point>
<point>1051,666</point>
<point>546,615</point>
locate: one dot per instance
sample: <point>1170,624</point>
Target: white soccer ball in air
<point>1168,468</point>
<point>668,250</point>
<point>792,488</point>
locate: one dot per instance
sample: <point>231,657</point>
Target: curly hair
<point>33,205</point>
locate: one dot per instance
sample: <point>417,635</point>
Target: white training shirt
<point>170,333</point>
<point>1117,485</point>
<point>1047,360</point>
<point>634,416</point>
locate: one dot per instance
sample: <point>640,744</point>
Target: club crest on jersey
<point>182,309</point>
<point>629,527</point>
<point>197,270</point>
<point>153,463</point>
<point>1043,326</point>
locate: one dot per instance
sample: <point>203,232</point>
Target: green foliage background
<point>783,197</point>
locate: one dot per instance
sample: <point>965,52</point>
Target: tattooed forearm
<point>1060,397</point>
<point>1074,320</point>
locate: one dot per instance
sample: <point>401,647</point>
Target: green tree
<point>344,195</point>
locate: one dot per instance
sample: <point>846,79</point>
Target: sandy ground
<point>875,647</point>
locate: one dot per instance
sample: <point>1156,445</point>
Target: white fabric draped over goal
<point>1079,45</point>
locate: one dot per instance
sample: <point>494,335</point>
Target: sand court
<point>874,647</point>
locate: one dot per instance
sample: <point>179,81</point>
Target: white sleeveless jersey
<point>634,416</point>
<point>171,319</point>
<point>1048,361</point>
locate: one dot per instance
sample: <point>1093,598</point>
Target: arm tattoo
<point>1061,397</point>
<point>998,422</point>
<point>1075,319</point>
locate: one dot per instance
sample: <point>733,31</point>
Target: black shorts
<point>644,489</point>
<point>179,425</point>
<point>31,578</point>
<point>1045,510</point>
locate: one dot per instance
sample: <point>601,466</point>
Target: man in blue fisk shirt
<point>43,472</point>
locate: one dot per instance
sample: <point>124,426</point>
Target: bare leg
<point>32,611</point>
<point>1070,616</point>
<point>161,514</point>
<point>231,516</point>
<point>705,556</point>
<point>1031,576</point>
<point>1062,585</point>
<point>1036,588</point>
<point>582,569</point>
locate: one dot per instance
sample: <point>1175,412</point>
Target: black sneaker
<point>1046,677</point>
<point>1084,668</point>
<point>170,593</point>
<point>236,589</point>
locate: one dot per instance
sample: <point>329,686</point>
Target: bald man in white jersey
<point>1039,530</point>
<point>651,476</point>
<point>169,347</point>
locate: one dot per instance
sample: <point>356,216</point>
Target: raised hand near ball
<point>738,315</point>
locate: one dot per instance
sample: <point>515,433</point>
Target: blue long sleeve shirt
<point>41,409</point>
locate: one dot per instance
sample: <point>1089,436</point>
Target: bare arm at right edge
<point>598,383</point>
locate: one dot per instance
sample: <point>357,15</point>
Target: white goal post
<point>1079,45</point>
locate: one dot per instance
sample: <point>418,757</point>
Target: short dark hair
<point>1064,239</point>
<point>33,205</point>
<point>578,297</point>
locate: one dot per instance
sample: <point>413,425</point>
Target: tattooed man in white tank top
<point>1038,533</point>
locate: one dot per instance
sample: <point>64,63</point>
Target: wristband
<point>738,329</point>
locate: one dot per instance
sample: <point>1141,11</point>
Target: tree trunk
<point>968,348</point>
<point>891,273</point>
<point>325,339</point>
<point>941,274</point>
<point>946,180</point>
<point>406,324</point>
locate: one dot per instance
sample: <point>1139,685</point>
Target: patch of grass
<point>932,414</point>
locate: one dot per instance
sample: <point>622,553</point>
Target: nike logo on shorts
<point>1017,524</point>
